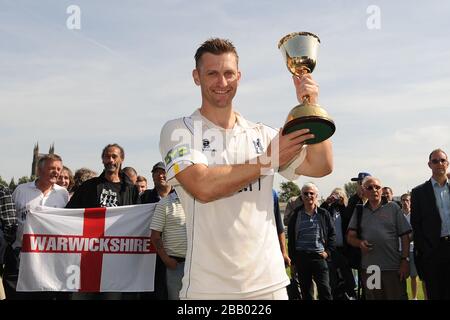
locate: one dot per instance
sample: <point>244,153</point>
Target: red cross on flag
<point>88,250</point>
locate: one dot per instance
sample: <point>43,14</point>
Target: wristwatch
<point>405,258</point>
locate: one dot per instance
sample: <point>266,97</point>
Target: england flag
<point>88,250</point>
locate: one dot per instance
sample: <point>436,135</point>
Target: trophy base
<point>322,128</point>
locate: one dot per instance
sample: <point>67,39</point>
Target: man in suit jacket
<point>430,220</point>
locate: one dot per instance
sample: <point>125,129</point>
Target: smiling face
<point>112,160</point>
<point>159,177</point>
<point>50,171</point>
<point>218,77</point>
<point>309,197</point>
<point>64,179</point>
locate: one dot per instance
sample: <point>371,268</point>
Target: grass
<point>420,294</point>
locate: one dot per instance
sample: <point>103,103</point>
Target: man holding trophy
<point>222,167</point>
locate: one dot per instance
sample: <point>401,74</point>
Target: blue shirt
<point>308,232</point>
<point>442,196</point>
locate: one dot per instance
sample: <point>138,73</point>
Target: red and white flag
<point>88,250</point>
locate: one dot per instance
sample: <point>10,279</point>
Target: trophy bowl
<point>299,51</point>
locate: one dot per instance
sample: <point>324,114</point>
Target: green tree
<point>351,188</point>
<point>24,179</point>
<point>3,182</point>
<point>12,185</point>
<point>288,190</point>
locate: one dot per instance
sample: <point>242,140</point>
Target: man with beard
<point>112,188</point>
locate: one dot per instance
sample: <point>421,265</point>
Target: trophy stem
<point>299,72</point>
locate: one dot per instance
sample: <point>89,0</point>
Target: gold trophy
<point>299,50</point>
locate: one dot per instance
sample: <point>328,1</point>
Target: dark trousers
<point>341,277</point>
<point>309,266</point>
<point>437,272</point>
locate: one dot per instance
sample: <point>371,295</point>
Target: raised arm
<point>319,158</point>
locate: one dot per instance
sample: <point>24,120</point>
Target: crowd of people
<point>217,228</point>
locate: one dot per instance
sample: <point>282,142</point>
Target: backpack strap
<point>359,213</point>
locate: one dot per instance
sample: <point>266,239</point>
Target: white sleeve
<point>289,171</point>
<point>179,148</point>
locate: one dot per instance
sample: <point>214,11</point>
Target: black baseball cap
<point>159,165</point>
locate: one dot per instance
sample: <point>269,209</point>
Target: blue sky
<point>128,70</point>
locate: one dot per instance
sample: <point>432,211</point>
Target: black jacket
<point>328,234</point>
<point>88,194</point>
<point>425,220</point>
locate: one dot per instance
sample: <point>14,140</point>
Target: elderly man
<point>312,238</point>
<point>430,220</point>
<point>42,192</point>
<point>375,229</point>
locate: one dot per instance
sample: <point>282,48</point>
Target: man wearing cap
<point>353,254</point>
<point>161,187</point>
<point>358,197</point>
<point>161,190</point>
<point>170,239</point>
<point>353,201</point>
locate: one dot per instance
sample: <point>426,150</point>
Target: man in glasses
<point>380,227</point>
<point>430,220</point>
<point>312,238</point>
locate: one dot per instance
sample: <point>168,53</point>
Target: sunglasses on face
<point>436,161</point>
<point>373,188</point>
<point>306,194</point>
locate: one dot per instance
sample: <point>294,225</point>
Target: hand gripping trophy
<point>299,50</point>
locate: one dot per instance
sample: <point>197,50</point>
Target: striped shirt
<point>308,232</point>
<point>169,218</point>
